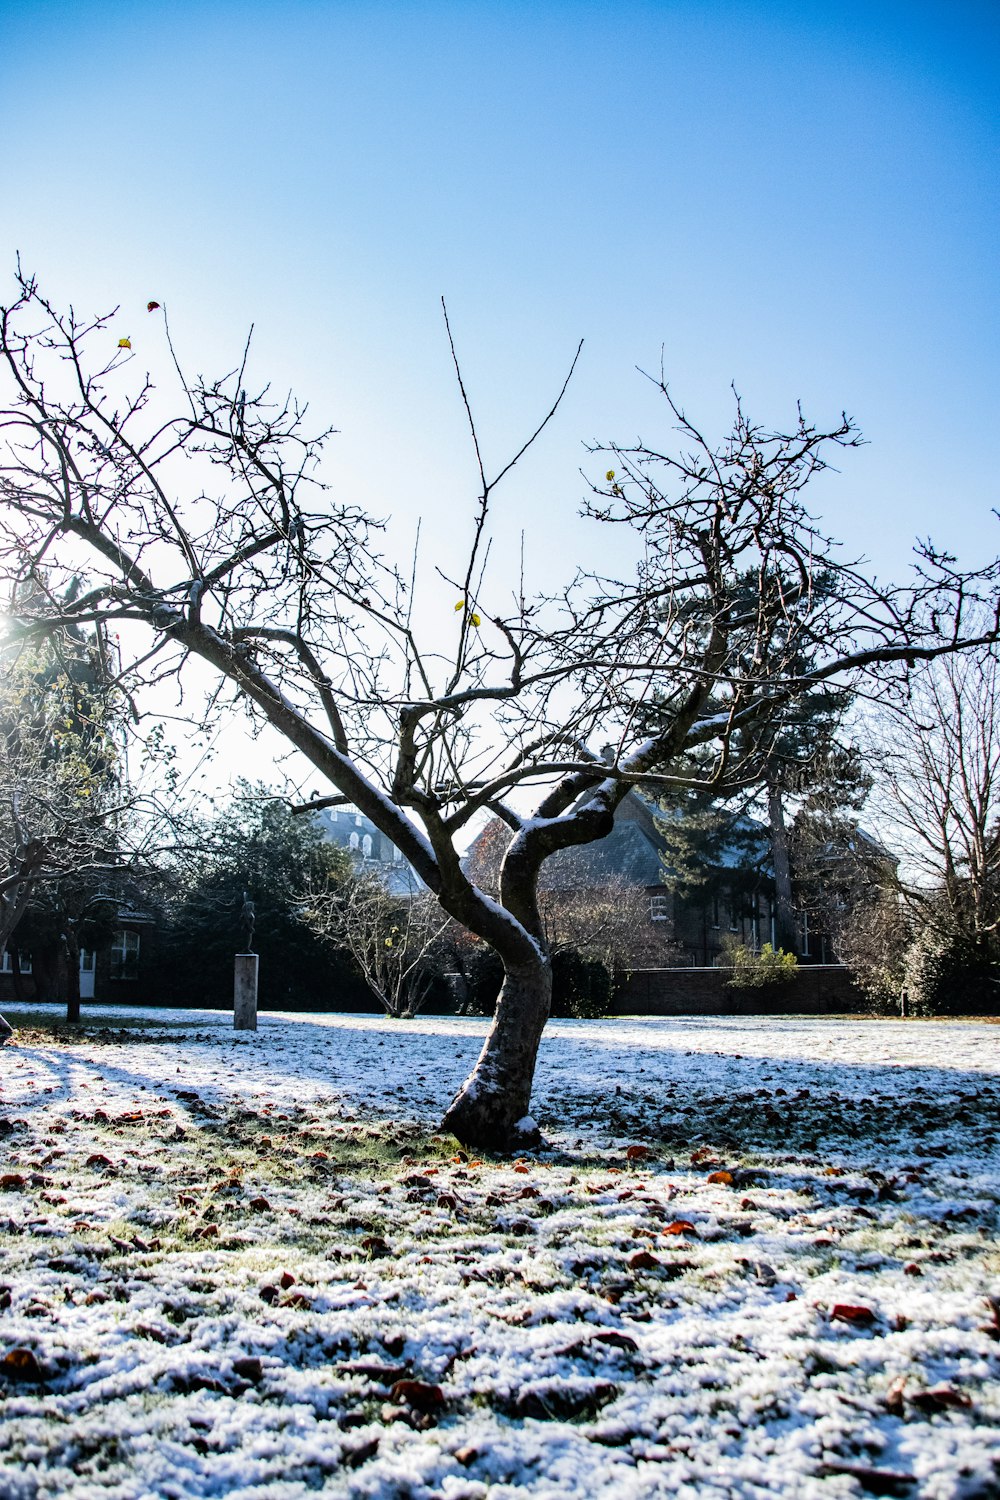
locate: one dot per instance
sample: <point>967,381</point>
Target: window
<point>357,820</point>
<point>659,908</point>
<point>397,855</point>
<point>355,841</point>
<point>7,966</point>
<point>366,846</point>
<point>125,955</point>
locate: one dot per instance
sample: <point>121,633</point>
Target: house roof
<point>634,849</point>
<point>629,853</point>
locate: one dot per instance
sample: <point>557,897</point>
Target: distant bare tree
<point>202,521</point>
<point>609,922</point>
<point>393,940</point>
<point>938,792</point>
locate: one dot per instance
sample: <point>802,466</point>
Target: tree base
<point>483,1122</point>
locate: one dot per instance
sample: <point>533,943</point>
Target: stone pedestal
<point>245,992</point>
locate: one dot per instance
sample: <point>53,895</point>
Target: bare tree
<point>195,516</point>
<point>937,795</point>
<point>609,922</point>
<point>392,939</point>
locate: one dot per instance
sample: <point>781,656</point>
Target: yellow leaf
<point>459,605</point>
<point>476,620</point>
<point>610,475</point>
<point>124,343</point>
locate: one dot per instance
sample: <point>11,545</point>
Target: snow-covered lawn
<point>244,1265</point>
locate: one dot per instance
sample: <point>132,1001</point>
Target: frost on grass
<point>755,1258</point>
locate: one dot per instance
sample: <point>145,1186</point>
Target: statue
<point>248,919</point>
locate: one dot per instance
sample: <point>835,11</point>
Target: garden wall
<point>817,989</point>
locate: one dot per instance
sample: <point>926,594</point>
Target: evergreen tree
<point>257,848</point>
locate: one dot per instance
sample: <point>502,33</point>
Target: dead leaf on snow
<point>615,1339</point>
<point>939,1398</point>
<point>419,1394</point>
<point>21,1364</point>
<point>855,1314</point>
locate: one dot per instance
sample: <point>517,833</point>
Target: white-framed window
<point>357,820</point>
<point>125,955</point>
<point>7,967</point>
<point>354,841</point>
<point>397,855</point>
<point>659,907</point>
<point>366,846</point>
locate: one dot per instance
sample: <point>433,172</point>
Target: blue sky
<point>800,198</point>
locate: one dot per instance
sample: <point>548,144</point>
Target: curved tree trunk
<point>490,1111</point>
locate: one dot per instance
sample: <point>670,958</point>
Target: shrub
<point>582,986</point>
<point>754,971</point>
<point>948,976</point>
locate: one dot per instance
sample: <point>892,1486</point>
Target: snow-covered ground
<point>244,1265</point>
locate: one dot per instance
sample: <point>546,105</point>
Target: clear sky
<point>801,198</point>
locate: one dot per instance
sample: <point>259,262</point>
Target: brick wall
<point>817,989</point>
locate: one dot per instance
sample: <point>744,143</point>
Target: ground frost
<point>756,1259</point>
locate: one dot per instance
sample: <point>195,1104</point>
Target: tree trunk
<point>72,952</point>
<point>785,931</point>
<point>490,1111</point>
